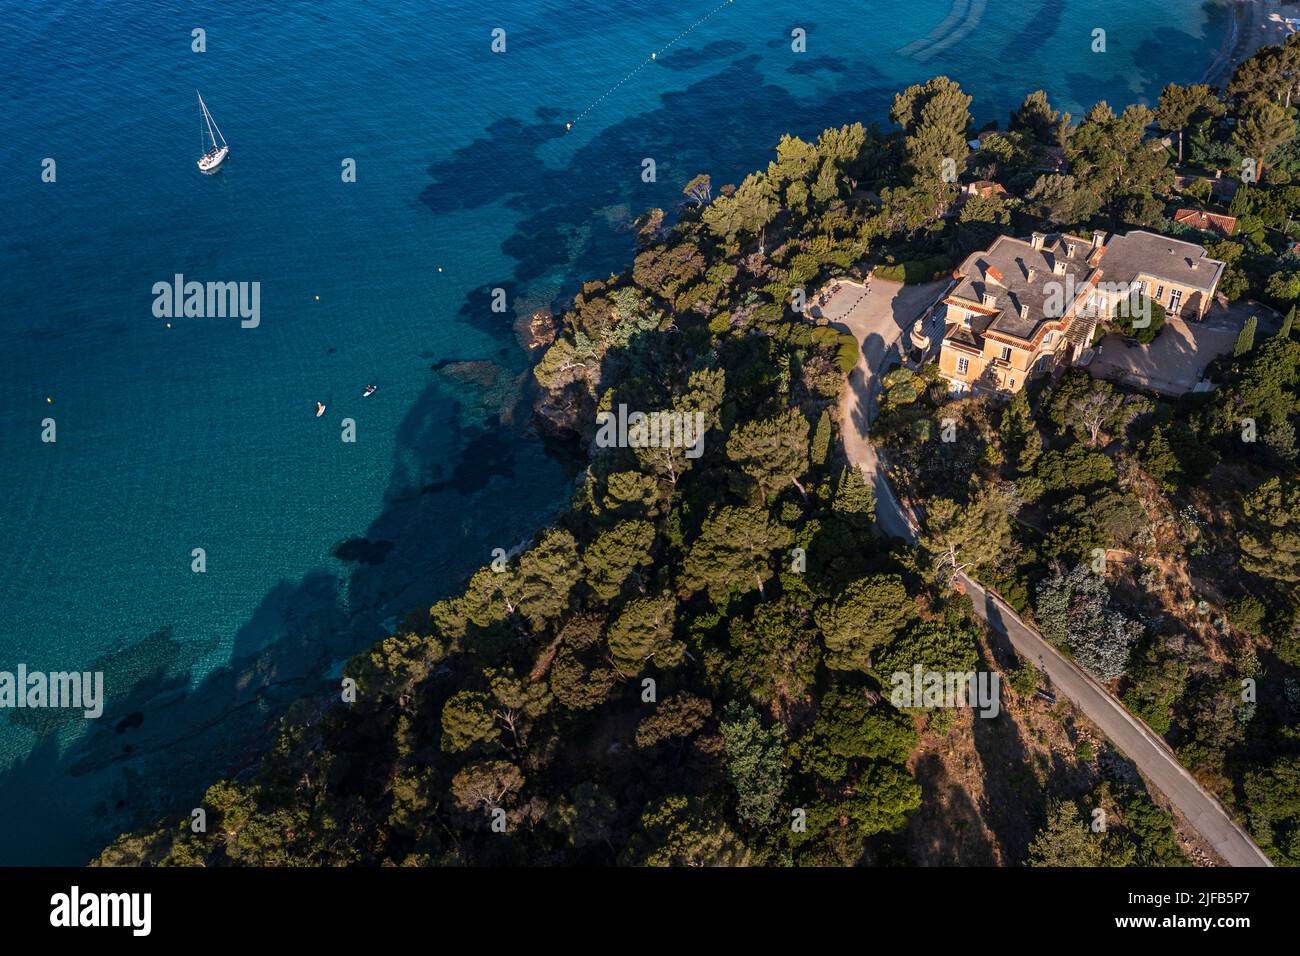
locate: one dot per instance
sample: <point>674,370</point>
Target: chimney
<point>989,300</point>
<point>1098,238</point>
<point>1036,240</point>
<point>1058,267</point>
<point>1195,263</point>
<point>1024,311</point>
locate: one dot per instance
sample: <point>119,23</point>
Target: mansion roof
<point>1017,287</point>
<point>1146,253</point>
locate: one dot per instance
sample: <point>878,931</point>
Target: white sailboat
<point>215,156</point>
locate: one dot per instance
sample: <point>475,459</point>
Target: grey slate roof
<point>1016,261</point>
<point>1172,259</point>
<point>1016,274</point>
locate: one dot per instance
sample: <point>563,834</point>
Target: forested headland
<point>691,666</point>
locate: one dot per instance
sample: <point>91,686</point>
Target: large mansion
<point>1020,308</point>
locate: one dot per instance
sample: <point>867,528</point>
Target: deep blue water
<point>203,435</point>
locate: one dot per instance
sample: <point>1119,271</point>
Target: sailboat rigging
<point>214,157</point>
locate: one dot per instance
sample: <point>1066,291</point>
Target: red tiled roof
<point>1206,221</point>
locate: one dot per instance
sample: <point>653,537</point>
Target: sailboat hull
<point>213,158</point>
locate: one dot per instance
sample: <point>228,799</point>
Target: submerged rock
<point>481,372</point>
<point>499,390</point>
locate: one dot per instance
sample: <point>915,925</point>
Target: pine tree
<point>935,116</point>
<point>772,451</point>
<point>1246,337</point>
<point>1066,841</point>
<point>854,500</point>
<point>733,552</point>
<point>1178,104</point>
<point>613,556</point>
<point>644,631</point>
<point>1264,127</point>
<point>1270,534</point>
<point>821,443</point>
<point>864,615</point>
<point>966,536</point>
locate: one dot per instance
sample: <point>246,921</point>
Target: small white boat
<point>370,390</point>
<point>216,155</point>
<point>320,409</point>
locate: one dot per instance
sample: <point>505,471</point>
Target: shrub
<point>1247,613</point>
<point>1125,318</point>
<point>903,394</point>
<point>1024,679</point>
<point>897,376</point>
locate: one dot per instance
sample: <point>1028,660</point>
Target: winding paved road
<point>878,320</point>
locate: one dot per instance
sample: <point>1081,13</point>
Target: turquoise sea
<point>204,435</point>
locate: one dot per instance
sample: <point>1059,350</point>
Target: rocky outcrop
<point>560,414</point>
<point>537,330</point>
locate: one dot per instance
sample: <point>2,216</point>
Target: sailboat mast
<point>207,117</point>
<point>218,128</point>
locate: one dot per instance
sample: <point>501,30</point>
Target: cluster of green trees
<point>1236,735</point>
<point>1025,495</point>
<point>1117,825</point>
<point>1048,497</point>
<point>1246,134</point>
